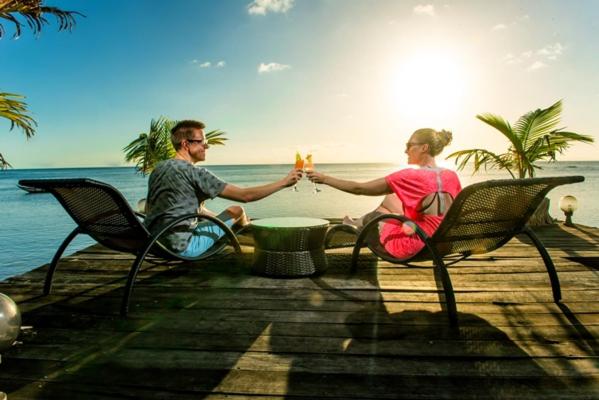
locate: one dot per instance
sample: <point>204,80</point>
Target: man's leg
<point>207,233</point>
<point>238,214</point>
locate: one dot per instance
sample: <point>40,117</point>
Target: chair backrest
<point>485,215</point>
<point>99,210</point>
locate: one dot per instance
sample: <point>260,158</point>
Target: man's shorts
<point>205,235</point>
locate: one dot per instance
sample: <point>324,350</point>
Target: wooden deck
<point>212,330</point>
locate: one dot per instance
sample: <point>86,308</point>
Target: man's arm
<point>376,187</point>
<point>245,195</point>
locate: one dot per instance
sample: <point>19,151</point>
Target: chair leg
<point>131,279</point>
<point>356,251</point>
<point>56,258</point>
<point>555,285</point>
<point>234,242</point>
<point>452,311</point>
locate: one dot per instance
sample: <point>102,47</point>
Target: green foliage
<point>534,137</point>
<point>154,146</point>
<point>34,14</point>
<point>15,110</point>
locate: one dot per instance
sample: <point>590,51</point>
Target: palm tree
<point>34,14</point>
<point>154,146</point>
<point>16,112</point>
<point>534,137</point>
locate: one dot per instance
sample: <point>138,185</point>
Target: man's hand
<point>315,176</point>
<point>293,177</point>
<point>245,195</point>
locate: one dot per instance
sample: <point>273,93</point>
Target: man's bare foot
<point>245,220</point>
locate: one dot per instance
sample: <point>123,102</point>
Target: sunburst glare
<point>429,86</point>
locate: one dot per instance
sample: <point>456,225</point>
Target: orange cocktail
<point>309,166</point>
<point>299,164</point>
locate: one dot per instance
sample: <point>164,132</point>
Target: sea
<point>32,226</point>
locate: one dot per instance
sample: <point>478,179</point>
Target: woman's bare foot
<point>347,220</point>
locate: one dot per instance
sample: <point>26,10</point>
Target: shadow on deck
<point>213,330</point>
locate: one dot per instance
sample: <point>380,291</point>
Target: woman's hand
<point>292,177</point>
<point>316,176</point>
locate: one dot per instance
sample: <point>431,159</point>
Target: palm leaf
<point>502,126</point>
<point>216,137</point>
<point>481,158</point>
<point>3,163</point>
<point>34,15</point>
<point>535,125</point>
<point>152,147</point>
<point>17,113</point>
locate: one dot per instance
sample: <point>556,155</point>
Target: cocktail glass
<point>299,164</point>
<point>309,166</point>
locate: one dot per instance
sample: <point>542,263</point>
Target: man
<point>176,188</point>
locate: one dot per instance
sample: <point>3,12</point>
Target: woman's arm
<point>376,187</point>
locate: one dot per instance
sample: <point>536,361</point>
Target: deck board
<point>213,330</point>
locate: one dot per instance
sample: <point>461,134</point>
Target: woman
<point>422,194</point>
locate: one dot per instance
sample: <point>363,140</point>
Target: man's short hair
<point>184,130</point>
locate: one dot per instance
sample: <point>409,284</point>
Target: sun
<point>429,86</point>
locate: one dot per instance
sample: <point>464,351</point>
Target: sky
<point>347,80</point>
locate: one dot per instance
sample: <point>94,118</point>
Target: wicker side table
<point>289,246</point>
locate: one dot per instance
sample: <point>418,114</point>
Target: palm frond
<point>535,125</point>
<point>571,137</point>
<point>17,113</point>
<point>3,163</point>
<point>556,143</point>
<point>216,137</point>
<point>34,14</point>
<point>482,158</point>
<point>502,126</point>
<point>148,149</point>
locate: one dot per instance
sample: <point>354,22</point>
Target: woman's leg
<point>390,205</point>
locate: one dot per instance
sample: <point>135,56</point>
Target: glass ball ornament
<point>10,322</point>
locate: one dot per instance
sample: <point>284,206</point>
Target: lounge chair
<point>483,217</point>
<point>101,211</point>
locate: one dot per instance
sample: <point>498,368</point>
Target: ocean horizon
<point>33,225</point>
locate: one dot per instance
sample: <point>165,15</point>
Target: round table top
<point>289,222</point>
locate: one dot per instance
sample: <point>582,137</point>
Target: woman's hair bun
<point>445,137</point>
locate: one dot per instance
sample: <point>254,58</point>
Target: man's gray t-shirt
<point>176,188</point>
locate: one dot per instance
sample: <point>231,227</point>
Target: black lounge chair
<point>101,211</point>
<point>483,217</point>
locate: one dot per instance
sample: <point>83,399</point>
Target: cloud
<point>272,67</point>
<point>536,65</point>
<point>517,21</point>
<point>261,7</point>
<point>544,56</point>
<point>512,59</point>
<point>551,51</point>
<point>208,64</point>
<point>424,9</point>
